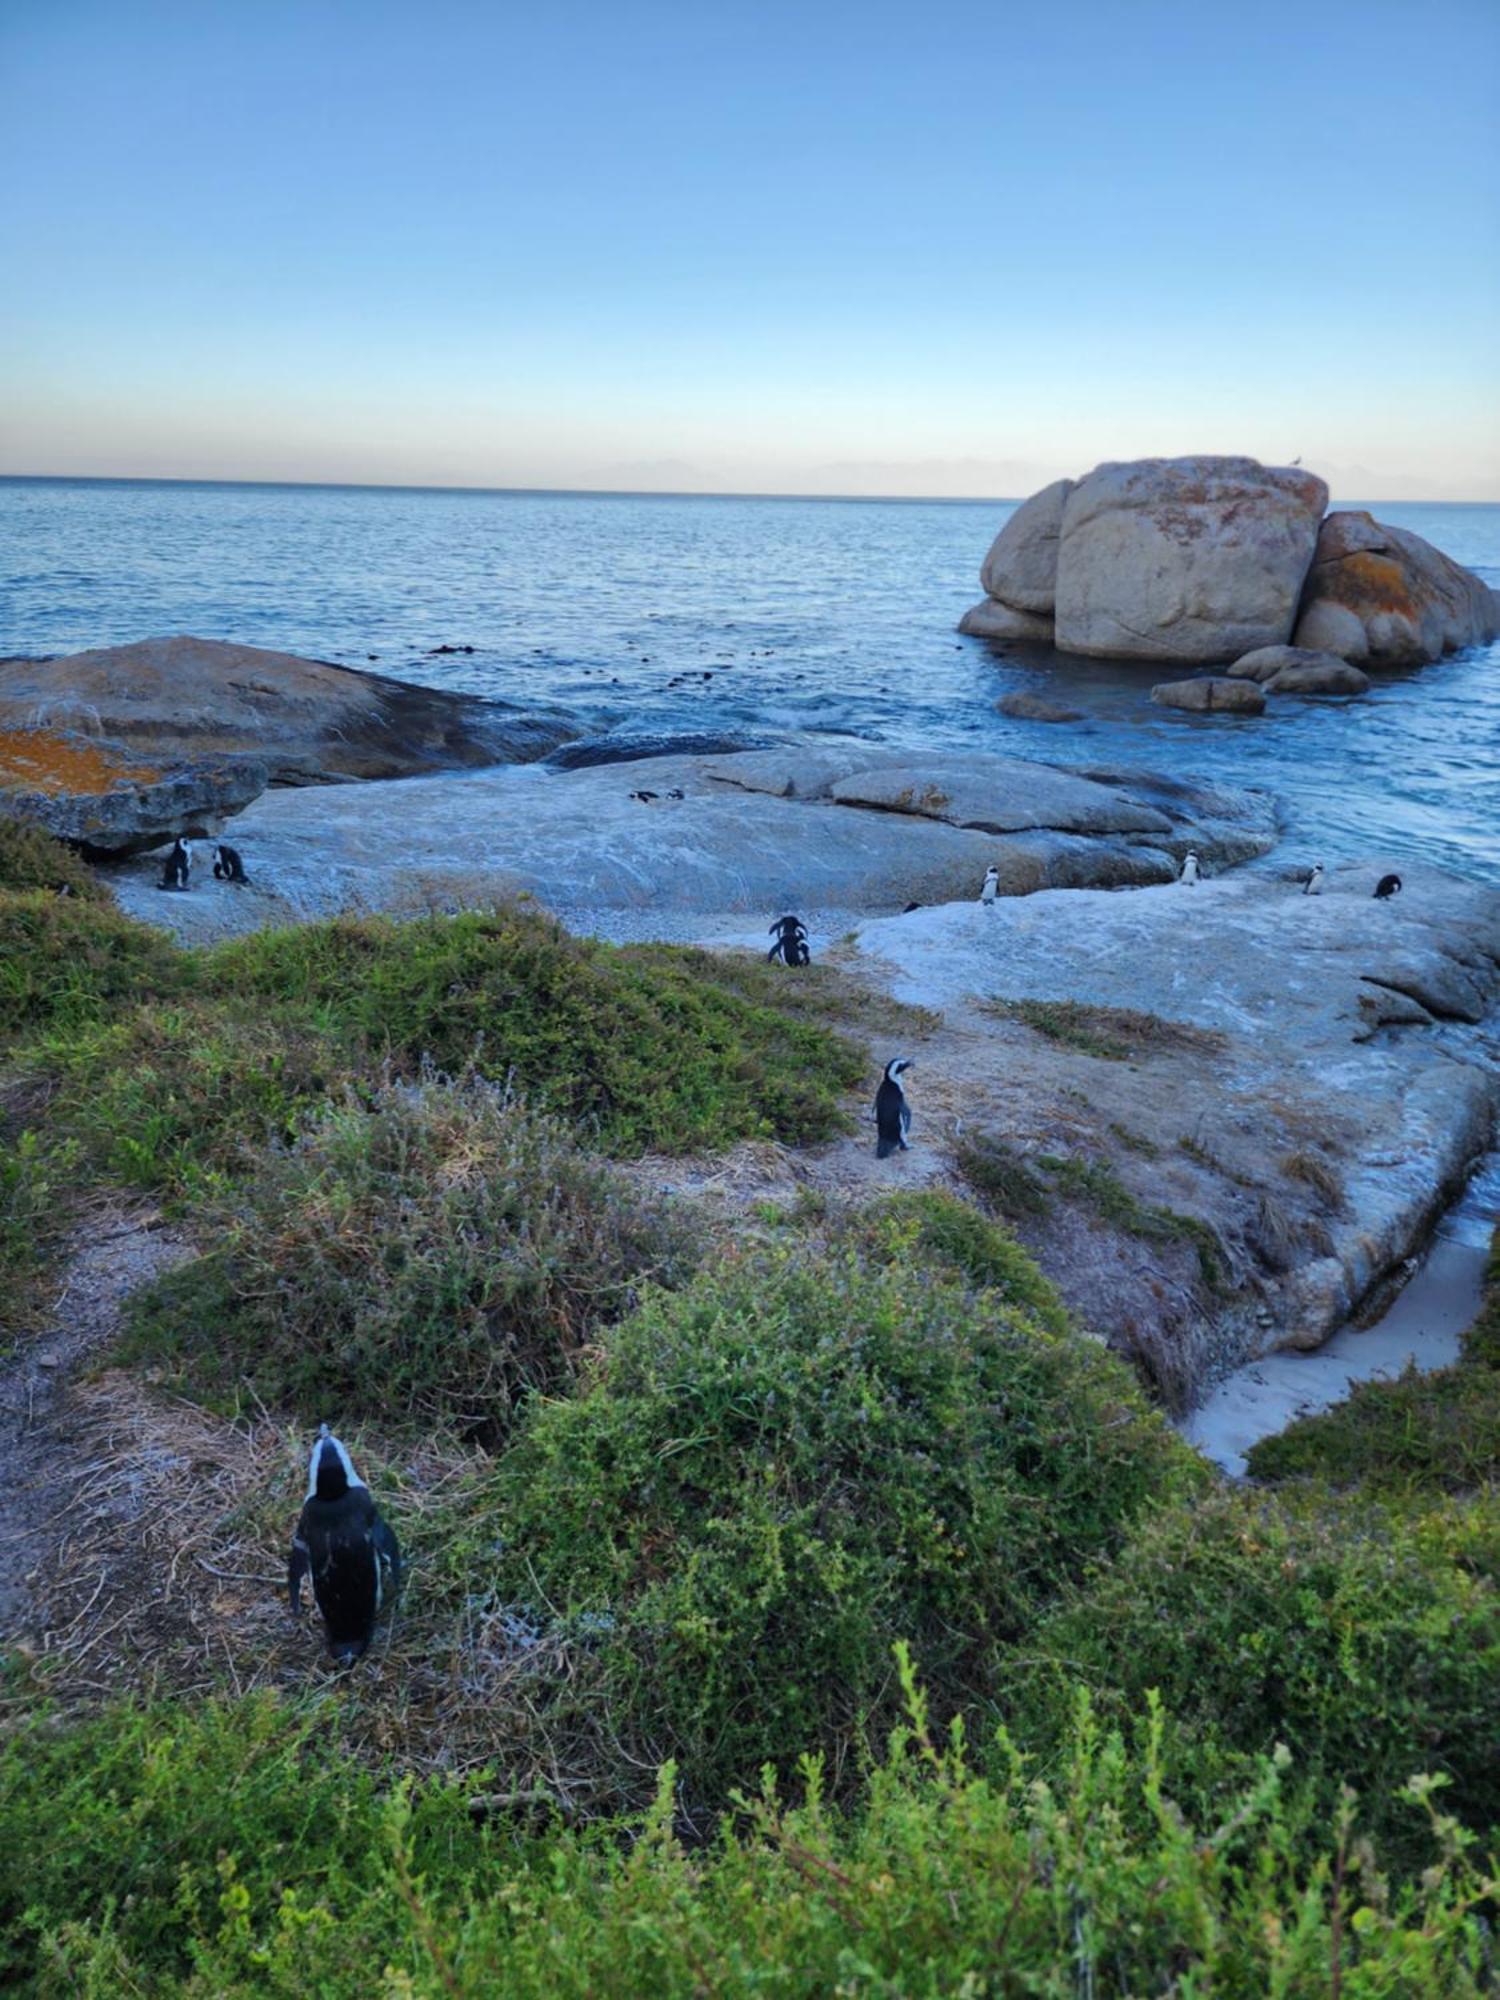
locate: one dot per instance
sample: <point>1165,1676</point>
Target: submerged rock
<point>309,722</point>
<point>1211,694</point>
<point>1299,670</point>
<point>112,800</point>
<point>1022,707</point>
<point>1384,597</point>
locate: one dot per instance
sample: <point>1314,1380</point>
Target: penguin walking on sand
<point>228,867</point>
<point>178,867</point>
<point>991,887</point>
<point>892,1112</point>
<point>1386,887</point>
<point>1313,886</point>
<point>791,946</point>
<point>349,1551</point>
<point>1189,869</point>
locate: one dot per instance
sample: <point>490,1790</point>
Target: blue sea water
<point>760,614</point>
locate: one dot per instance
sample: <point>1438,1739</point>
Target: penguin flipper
<point>388,1553</point>
<point>297,1568</point>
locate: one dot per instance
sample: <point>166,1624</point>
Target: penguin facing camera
<point>1189,869</point>
<point>1313,886</point>
<point>1386,887</point>
<point>179,865</point>
<point>892,1112</point>
<point>228,867</point>
<point>348,1550</point>
<point>991,887</point>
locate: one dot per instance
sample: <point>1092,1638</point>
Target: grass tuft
<point>1112,1034</point>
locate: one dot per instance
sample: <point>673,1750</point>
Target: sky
<point>935,248</point>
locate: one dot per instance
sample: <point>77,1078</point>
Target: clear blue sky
<point>936,248</point>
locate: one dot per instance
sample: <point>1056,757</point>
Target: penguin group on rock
<point>892,1112</point>
<point>177,870</point>
<point>347,1549</point>
<point>791,945</point>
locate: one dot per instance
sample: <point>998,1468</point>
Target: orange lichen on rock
<point>62,766</point>
<point>1366,581</point>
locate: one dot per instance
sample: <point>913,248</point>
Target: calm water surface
<point>772,615</point>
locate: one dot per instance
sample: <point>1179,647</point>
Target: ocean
<point>735,614</point>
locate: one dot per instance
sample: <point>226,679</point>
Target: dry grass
<point>1315,1173</point>
<point>1112,1034</point>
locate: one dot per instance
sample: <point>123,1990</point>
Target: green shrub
<point>936,1228</point>
<point>32,859</point>
<point>435,1253</point>
<point>35,1186</point>
<point>653,1053</point>
<point>1433,1433</point>
<point>228,1853</point>
<point>66,961</point>
<point>797,1460</point>
<point>1366,1641</point>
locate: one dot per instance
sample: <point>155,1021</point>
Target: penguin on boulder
<point>991,887</point>
<point>1189,869</point>
<point>348,1550</point>
<point>892,1112</point>
<point>1313,886</point>
<point>1386,887</point>
<point>228,867</point>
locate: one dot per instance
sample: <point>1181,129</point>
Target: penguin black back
<point>179,862</point>
<point>892,1112</point>
<point>1387,886</point>
<point>791,945</point>
<point>347,1549</point>
<point>228,867</point>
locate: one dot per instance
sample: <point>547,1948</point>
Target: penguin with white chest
<point>1189,869</point>
<point>1313,886</point>
<point>892,1112</point>
<point>991,887</point>
<point>348,1550</point>
<point>178,867</point>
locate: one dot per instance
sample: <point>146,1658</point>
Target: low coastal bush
<point>651,1053</point>
<point>1366,1640</point>
<point>32,859</point>
<point>66,962</point>
<point>932,1227</point>
<point>798,1459</point>
<point>227,1851</point>
<point>1434,1433</point>
<point>433,1251</point>
<point>36,1183</point>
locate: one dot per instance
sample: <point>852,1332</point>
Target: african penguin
<point>892,1112</point>
<point>991,887</point>
<point>791,946</point>
<point>645,798</point>
<point>1388,885</point>
<point>1313,886</point>
<point>1189,869</point>
<point>178,865</point>
<point>347,1548</point>
<point>228,867</point>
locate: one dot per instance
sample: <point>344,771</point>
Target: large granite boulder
<point>1211,694</point>
<point>309,722</point>
<point>1383,597</point>
<point>1299,670</point>
<point>112,800</point>
<point>1190,559</point>
<point>998,795</point>
<point>1021,567</point>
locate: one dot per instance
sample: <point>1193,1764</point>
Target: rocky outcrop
<point>991,620</point>
<point>1191,559</point>
<point>831,827</point>
<point>1382,597</point>
<point>1023,707</point>
<point>1316,1141</point>
<point>1211,694</point>
<point>108,799</point>
<point>308,722</point>
<point>1299,670</point>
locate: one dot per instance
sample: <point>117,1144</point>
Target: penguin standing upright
<point>1189,869</point>
<point>791,945</point>
<point>1313,886</point>
<point>1386,887</point>
<point>892,1112</point>
<point>228,867</point>
<point>991,887</point>
<point>178,866</point>
<point>350,1552</point>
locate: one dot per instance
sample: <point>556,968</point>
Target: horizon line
<point>598,492</point>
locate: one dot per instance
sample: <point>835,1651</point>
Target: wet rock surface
<point>1210,694</point>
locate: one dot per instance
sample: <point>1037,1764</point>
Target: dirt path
<point>41,1418</point>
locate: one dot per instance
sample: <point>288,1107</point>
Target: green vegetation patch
<point>32,859</point>
<point>1113,1034</point>
<point>226,1851</point>
<point>1434,1433</point>
<point>934,1228</point>
<point>433,1252</point>
<point>66,962</point>
<point>797,1460</point>
<point>1366,1640</point>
